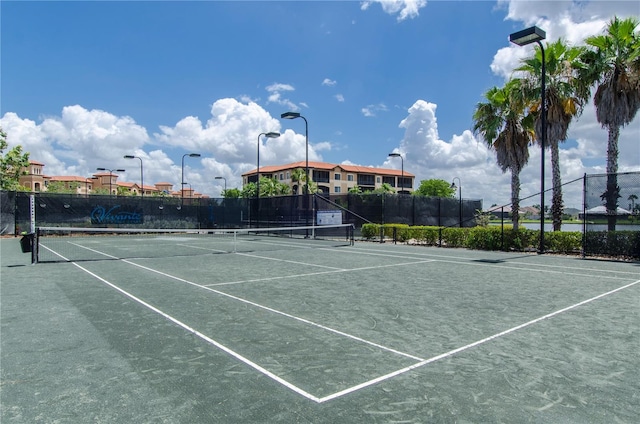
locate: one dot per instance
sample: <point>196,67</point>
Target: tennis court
<point>364,333</point>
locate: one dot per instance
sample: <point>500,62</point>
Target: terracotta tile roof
<point>329,166</point>
<point>105,174</point>
<point>69,178</point>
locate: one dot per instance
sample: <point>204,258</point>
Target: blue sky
<point>84,83</point>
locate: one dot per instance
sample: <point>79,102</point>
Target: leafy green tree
<point>613,64</point>
<point>435,188</point>
<point>356,189</point>
<point>565,96</point>
<point>13,164</point>
<point>56,187</point>
<point>61,187</point>
<point>272,187</point>
<point>123,191</point>
<point>103,191</point>
<point>384,189</point>
<point>231,193</point>
<point>268,187</point>
<point>249,190</point>
<point>502,123</point>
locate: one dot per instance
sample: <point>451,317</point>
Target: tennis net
<point>73,244</point>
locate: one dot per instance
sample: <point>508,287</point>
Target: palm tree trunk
<point>515,199</point>
<point>556,200</point>
<point>613,191</point>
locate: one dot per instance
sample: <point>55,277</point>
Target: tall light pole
<point>191,155</point>
<point>522,38</point>
<point>111,171</point>
<point>141,172</point>
<point>268,135</point>
<point>294,115</point>
<point>225,182</point>
<point>453,186</point>
<point>398,155</point>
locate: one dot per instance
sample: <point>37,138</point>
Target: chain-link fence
<point>7,212</point>
<point>611,215</point>
<point>611,212</point>
<point>402,209</point>
<point>167,212</point>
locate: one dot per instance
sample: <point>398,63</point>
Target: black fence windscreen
<point>167,212</point>
<point>7,212</point>
<point>611,212</point>
<point>611,215</point>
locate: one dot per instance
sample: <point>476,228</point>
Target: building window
<point>389,180</point>
<point>281,176</point>
<point>336,189</point>
<point>288,175</point>
<point>378,180</point>
<point>404,182</point>
<point>336,176</point>
<point>320,176</point>
<point>366,180</point>
<point>349,177</point>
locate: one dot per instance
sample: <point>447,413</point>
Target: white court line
<point>462,259</point>
<point>352,389</point>
<point>473,262</point>
<point>275,311</point>
<point>200,335</point>
<point>252,255</point>
<point>309,274</point>
<point>471,345</point>
<point>190,246</point>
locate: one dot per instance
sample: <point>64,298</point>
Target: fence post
<point>584,215</point>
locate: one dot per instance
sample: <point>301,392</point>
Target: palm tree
<point>298,176</point>
<point>632,199</point>
<point>502,124</point>
<point>613,62</point>
<point>566,94</point>
<point>268,186</point>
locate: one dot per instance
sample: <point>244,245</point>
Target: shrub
<point>370,231</point>
<point>455,237</point>
<point>422,234</point>
<point>485,238</point>
<point>563,241</point>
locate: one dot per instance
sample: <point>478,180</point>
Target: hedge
<point>481,238</point>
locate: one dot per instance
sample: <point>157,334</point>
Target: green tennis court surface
<point>364,333</point>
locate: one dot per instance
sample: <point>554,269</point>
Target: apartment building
<point>335,179</point>
<point>35,180</point>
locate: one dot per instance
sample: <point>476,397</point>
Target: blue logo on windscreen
<point>100,215</point>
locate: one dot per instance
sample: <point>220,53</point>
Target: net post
<point>32,213</point>
<point>34,247</point>
<point>235,241</point>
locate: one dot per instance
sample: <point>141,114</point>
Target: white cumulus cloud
<point>404,9</point>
